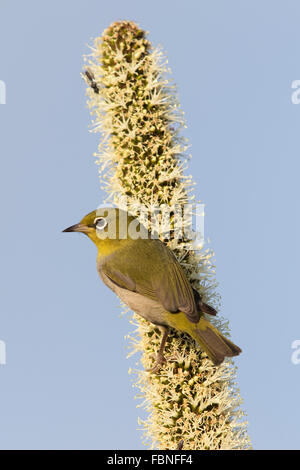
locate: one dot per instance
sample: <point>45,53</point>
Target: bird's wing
<point>161,279</point>
<point>173,288</point>
<point>203,307</point>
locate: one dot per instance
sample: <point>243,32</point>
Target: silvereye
<point>145,274</point>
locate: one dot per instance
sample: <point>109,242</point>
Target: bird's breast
<point>147,308</point>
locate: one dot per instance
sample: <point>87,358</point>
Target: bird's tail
<point>213,342</point>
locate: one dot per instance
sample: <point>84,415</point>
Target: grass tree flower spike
<point>191,403</point>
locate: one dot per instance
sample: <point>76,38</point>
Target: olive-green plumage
<point>145,274</point>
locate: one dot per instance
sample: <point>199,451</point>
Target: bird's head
<point>107,226</point>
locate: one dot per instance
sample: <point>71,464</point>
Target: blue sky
<point>65,383</point>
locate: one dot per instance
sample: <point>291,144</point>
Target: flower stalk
<point>142,156</point>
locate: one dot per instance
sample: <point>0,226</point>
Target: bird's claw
<point>160,359</point>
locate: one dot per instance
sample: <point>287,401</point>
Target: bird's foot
<point>160,359</point>
<point>173,358</point>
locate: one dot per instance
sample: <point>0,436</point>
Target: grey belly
<point>143,306</point>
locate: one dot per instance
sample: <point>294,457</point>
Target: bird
<point>145,274</point>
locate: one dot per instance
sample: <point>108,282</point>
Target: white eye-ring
<point>100,223</point>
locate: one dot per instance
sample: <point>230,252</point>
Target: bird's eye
<point>100,223</point>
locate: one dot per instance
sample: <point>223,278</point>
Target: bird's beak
<point>77,228</point>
